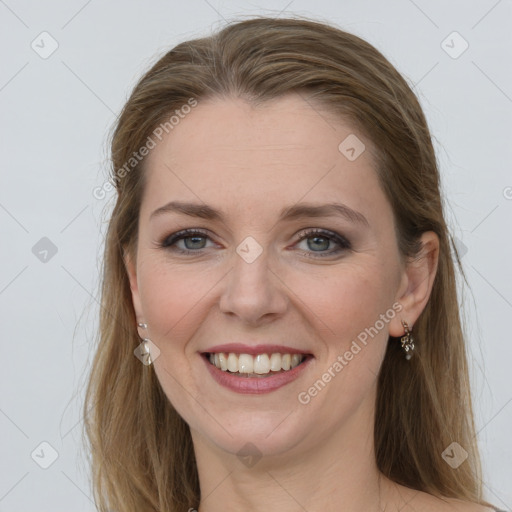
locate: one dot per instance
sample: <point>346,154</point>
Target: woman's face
<point>323,282</point>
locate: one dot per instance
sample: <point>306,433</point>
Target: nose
<point>253,292</point>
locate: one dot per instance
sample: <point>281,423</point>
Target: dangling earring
<point>147,353</point>
<point>142,352</point>
<point>407,341</point>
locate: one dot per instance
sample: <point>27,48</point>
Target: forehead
<point>228,152</point>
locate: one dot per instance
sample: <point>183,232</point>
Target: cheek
<point>348,300</point>
<point>174,303</point>
<point>172,300</point>
<point>348,310</point>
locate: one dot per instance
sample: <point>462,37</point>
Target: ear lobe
<point>131,270</point>
<point>418,279</point>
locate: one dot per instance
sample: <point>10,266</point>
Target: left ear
<point>131,270</point>
<point>416,286</point>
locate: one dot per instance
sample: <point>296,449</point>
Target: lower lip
<point>255,385</point>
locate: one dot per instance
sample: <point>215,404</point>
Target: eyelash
<point>342,242</point>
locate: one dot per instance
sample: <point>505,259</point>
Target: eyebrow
<point>297,211</point>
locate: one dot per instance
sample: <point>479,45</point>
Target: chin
<point>250,438</point>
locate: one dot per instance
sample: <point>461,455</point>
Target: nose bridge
<point>252,290</point>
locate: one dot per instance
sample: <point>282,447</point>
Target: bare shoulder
<point>417,501</point>
<point>465,506</point>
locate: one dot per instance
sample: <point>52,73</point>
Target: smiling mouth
<point>258,366</point>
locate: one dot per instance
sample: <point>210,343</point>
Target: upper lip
<point>240,348</point>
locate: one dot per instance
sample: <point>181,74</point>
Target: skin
<point>250,163</point>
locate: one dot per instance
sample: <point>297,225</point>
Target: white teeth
<point>245,363</point>
<point>232,363</point>
<point>223,362</point>
<point>275,362</point>
<point>261,364</point>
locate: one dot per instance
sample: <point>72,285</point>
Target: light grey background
<point>56,113</point>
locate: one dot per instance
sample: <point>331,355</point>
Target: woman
<point>280,327</point>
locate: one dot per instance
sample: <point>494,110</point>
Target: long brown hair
<point>142,453</point>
